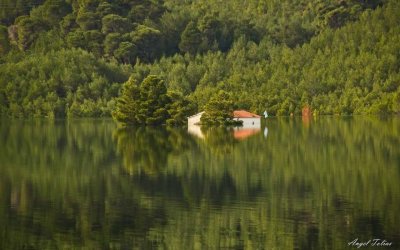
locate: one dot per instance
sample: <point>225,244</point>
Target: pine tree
<point>154,100</point>
<point>141,105</point>
<point>179,109</point>
<point>127,108</point>
<point>4,42</point>
<point>219,110</point>
<point>190,39</point>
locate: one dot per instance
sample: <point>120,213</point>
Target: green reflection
<point>147,149</point>
<point>310,184</point>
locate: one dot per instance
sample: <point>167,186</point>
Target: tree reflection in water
<point>89,184</point>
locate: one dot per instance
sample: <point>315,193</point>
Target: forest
<point>71,58</point>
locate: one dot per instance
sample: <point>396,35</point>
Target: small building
<point>249,120</point>
<point>195,119</point>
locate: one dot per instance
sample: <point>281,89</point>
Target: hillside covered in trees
<point>70,58</point>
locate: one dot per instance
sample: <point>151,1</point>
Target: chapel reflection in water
<point>238,133</point>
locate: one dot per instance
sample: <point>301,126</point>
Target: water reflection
<point>147,149</point>
<point>265,132</point>
<point>309,186</point>
<point>244,133</point>
<point>238,133</point>
<point>196,131</point>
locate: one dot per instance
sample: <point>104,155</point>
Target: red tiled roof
<point>244,114</point>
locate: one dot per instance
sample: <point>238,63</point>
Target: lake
<point>293,184</point>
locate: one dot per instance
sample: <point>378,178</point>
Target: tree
<point>179,109</point>
<point>210,29</point>
<point>68,23</point>
<point>111,43</point>
<point>147,40</point>
<point>143,105</point>
<point>53,81</point>
<point>28,30</point>
<point>149,104</point>
<point>155,100</point>
<point>219,110</point>
<point>90,40</point>
<point>11,9</point>
<point>172,25</point>
<point>128,104</point>
<point>142,10</point>
<point>76,39</point>
<point>341,55</point>
<point>190,39</point>
<point>4,42</point>
<point>51,11</point>
<point>88,21</point>
<point>105,8</point>
<point>114,24</point>
<point>126,52</point>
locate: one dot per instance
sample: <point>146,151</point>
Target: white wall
<point>250,122</point>
<point>247,122</point>
<point>193,120</point>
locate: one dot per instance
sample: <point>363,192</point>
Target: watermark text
<point>372,242</point>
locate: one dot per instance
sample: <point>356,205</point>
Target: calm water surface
<point>294,184</point>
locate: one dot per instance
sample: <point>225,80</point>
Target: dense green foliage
<point>144,104</point>
<point>338,57</point>
<point>219,110</point>
<point>58,83</point>
<point>150,104</point>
